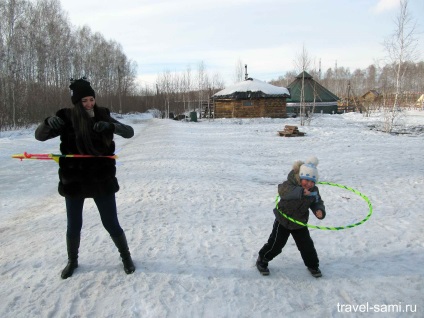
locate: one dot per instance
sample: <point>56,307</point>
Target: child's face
<point>307,184</point>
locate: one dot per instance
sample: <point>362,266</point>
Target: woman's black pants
<point>108,214</point>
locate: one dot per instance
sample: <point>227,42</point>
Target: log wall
<point>265,107</point>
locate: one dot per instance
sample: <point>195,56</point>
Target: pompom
<point>312,160</point>
<point>296,166</point>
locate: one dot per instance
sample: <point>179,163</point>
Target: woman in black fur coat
<point>87,129</point>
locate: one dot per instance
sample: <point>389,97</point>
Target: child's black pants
<point>278,239</point>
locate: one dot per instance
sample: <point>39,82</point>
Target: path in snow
<point>196,203</point>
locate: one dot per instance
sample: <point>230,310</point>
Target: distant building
<point>316,96</point>
<point>420,102</point>
<point>249,99</point>
<point>371,96</point>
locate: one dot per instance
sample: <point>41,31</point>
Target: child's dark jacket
<point>295,204</point>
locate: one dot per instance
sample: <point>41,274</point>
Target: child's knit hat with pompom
<point>308,170</point>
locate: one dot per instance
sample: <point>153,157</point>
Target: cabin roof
<point>313,91</point>
<point>251,88</point>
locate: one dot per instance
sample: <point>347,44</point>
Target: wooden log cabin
<point>251,98</point>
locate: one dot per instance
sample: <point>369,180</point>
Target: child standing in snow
<point>87,129</point>
<point>298,194</point>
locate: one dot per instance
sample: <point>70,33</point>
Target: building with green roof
<point>316,96</point>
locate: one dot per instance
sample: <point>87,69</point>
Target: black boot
<point>315,272</point>
<point>72,245</point>
<point>122,245</point>
<point>262,266</point>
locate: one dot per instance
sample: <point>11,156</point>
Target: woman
<point>87,129</point>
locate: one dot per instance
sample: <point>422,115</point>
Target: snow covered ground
<point>196,203</point>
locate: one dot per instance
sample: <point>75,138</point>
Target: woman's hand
<point>101,126</point>
<point>55,122</point>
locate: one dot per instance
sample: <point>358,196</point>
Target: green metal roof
<point>311,89</point>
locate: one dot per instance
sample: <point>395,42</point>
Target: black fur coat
<point>84,177</point>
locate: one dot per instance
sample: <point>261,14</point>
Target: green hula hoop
<point>331,228</point>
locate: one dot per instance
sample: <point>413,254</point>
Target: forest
<point>40,50</point>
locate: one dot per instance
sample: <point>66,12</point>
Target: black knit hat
<point>80,88</point>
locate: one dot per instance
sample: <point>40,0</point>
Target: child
<point>298,194</point>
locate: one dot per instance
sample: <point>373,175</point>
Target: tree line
<point>187,91</point>
<point>40,51</point>
<point>381,79</point>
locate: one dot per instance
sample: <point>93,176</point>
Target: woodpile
<point>291,131</point>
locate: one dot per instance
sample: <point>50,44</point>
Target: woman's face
<point>88,102</point>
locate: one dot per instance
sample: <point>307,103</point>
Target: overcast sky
<point>267,35</point>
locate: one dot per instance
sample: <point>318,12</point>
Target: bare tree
<point>165,84</point>
<point>12,27</point>
<point>239,71</point>
<point>216,84</point>
<point>302,63</point>
<point>186,88</point>
<point>200,77</point>
<point>401,47</point>
<point>371,77</point>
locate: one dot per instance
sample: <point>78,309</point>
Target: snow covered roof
<point>252,88</point>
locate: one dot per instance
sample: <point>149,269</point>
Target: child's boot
<point>315,272</point>
<point>262,265</point>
